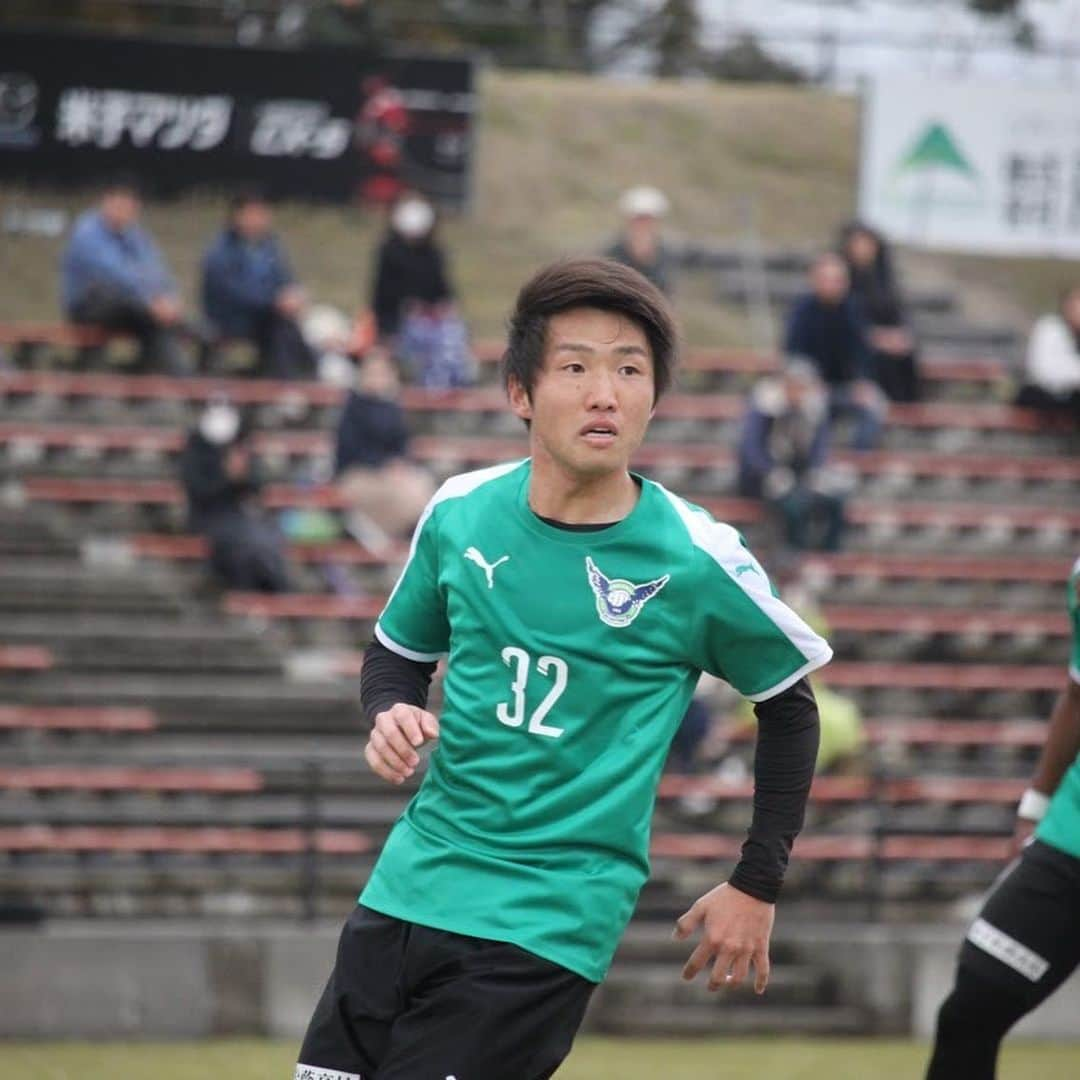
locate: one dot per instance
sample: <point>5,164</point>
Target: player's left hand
<point>736,931</point>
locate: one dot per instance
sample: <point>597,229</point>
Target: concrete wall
<point>176,981</point>
<point>163,981</point>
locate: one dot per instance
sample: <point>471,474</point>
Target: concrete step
<point>723,1016</point>
<point>195,703</point>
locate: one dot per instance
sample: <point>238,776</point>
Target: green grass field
<point>592,1059</point>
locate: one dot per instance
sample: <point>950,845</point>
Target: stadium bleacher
<point>170,749</point>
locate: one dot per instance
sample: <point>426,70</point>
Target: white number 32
<point>519,661</point>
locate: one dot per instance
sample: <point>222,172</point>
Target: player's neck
<point>575,500</point>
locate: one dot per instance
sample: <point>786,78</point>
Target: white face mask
<point>219,424</point>
<point>413,218</point>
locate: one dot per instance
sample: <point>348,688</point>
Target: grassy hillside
<point>553,153</point>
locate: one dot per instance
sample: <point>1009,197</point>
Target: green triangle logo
<point>935,147</point>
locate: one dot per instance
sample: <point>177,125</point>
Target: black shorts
<point>1027,936</point>
<point>406,1002</point>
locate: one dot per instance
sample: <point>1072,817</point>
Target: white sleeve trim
<point>410,654</point>
<point>721,543</point>
<point>1074,673</point>
<point>811,665</point>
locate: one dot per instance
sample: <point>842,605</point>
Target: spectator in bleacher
<point>641,245</point>
<point>826,327</point>
<point>386,489</point>
<point>113,276</point>
<point>249,291</point>
<point>874,284</point>
<point>415,310</point>
<point>221,480</point>
<point>782,453</point>
<point>1052,370</point>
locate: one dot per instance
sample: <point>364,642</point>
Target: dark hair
<point>121,181</point>
<point>882,268</point>
<point>247,196</point>
<point>588,282</point>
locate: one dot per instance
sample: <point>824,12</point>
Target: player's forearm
<point>389,679</point>
<point>787,746</point>
<point>1062,741</point>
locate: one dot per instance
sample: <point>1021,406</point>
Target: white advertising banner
<point>966,166</point>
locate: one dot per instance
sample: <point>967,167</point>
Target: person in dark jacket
<point>783,451</point>
<point>249,292</point>
<point>114,276</point>
<point>387,491</point>
<point>410,269</point>
<point>825,327</point>
<point>641,244</point>
<point>221,481</point>
<point>874,285</point>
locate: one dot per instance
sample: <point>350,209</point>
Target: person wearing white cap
<point>411,267</point>
<point>640,244</point>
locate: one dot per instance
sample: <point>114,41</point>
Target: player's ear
<point>520,401</point>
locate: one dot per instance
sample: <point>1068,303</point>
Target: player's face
<point>593,397</point>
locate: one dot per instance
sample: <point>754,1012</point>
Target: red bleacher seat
<point>127,778</point>
<point>824,848</point>
<point>25,658</point>
<point>741,361</point>
<point>479,399</point>
<point>62,335</point>
<point>869,673</point>
<point>938,568</point>
<point>928,620</point>
<point>841,789</point>
<point>75,718</point>
<point>154,546</point>
<point>170,840</point>
<point>899,729</point>
<point>303,606</point>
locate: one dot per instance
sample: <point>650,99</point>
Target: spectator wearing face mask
<point>783,452</point>
<point>410,269</point>
<point>415,311</point>
<point>221,480</point>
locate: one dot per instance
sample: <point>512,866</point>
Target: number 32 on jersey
<point>512,714</point>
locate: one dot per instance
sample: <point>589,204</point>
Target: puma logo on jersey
<point>618,602</point>
<point>745,567</point>
<point>473,555</point>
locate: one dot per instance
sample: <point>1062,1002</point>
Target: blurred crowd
<point>848,349</point>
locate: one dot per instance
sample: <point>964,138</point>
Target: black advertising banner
<point>326,123</point>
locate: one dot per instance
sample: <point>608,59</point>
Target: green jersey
<point>1061,825</point>
<point>573,656</point>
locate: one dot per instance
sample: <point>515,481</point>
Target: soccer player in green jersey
<point>1026,940</point>
<point>577,603</point>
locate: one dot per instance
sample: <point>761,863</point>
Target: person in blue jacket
<point>249,291</point>
<point>827,328</point>
<point>113,276</point>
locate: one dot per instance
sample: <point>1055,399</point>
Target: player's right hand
<point>397,734</point>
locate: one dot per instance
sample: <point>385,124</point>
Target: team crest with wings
<point>618,602</point>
